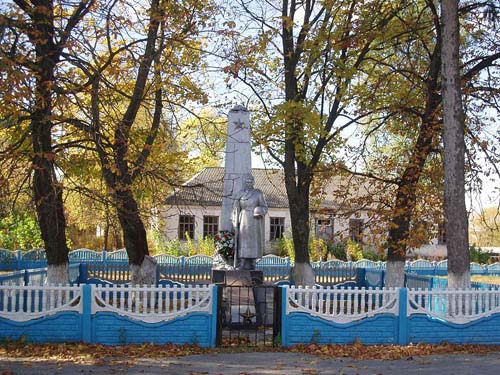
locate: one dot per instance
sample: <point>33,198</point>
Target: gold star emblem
<point>247,316</point>
<point>239,125</point>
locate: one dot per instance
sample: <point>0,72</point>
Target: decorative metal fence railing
<point>456,306</point>
<point>109,314</point>
<point>36,276</point>
<point>120,314</point>
<point>152,304</point>
<point>27,302</point>
<point>341,305</point>
<point>18,260</point>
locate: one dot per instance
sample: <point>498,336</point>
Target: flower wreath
<point>224,243</point>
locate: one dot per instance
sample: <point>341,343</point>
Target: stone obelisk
<point>238,160</point>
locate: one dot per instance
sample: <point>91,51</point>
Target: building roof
<point>206,189</point>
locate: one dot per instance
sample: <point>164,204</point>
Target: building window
<point>324,228</point>
<point>186,227</point>
<point>356,229</point>
<point>210,226</point>
<point>277,227</point>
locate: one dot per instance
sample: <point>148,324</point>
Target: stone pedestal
<point>237,160</point>
<point>237,277</point>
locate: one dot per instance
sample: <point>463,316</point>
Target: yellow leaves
<point>390,352</point>
<point>97,355</point>
<point>127,354</point>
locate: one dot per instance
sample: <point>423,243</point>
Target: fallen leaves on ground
<point>127,355</point>
<point>97,355</point>
<point>392,352</point>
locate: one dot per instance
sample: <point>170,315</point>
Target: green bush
<point>285,247</point>
<point>173,247</point>
<point>20,231</point>
<point>476,254</point>
<point>337,250</point>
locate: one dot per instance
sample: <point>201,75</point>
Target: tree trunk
<point>454,151</point>
<point>47,190</point>
<point>134,233</point>
<point>142,266</point>
<point>298,196</point>
<point>402,212</point>
<point>106,231</point>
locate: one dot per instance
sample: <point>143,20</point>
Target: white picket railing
<point>22,303</point>
<point>152,304</point>
<point>457,306</point>
<point>342,305</point>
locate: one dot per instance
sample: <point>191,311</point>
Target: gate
<point>248,315</point>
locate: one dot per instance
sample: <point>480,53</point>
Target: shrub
<point>317,249</point>
<point>476,254</point>
<point>285,247</point>
<point>337,250</point>
<point>206,246</point>
<point>173,247</point>
<point>354,250</point>
<point>20,231</point>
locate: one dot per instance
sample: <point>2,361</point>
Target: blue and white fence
<point>109,315</point>
<point>188,315</point>
<point>36,276</point>
<point>272,265</point>
<point>389,316</point>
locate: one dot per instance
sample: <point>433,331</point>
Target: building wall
<point>171,217</point>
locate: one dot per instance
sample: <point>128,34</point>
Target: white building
<point>195,209</point>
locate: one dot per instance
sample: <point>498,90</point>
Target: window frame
<point>329,227</point>
<point>358,238</point>
<point>210,229</point>
<point>181,234</point>
<point>276,229</point>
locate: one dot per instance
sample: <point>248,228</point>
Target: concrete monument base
<point>237,277</point>
<point>243,300</point>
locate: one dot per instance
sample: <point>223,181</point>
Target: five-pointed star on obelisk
<point>239,124</point>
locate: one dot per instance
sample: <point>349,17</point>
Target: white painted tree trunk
<point>456,220</point>
<point>145,274</point>
<point>395,275</point>
<point>303,274</point>
<point>57,274</point>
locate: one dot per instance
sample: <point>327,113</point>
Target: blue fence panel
<point>494,269</point>
<point>35,258</point>
<point>274,268</point>
<point>373,278</point>
<point>8,260</point>
<point>422,267</point>
<point>13,278</point>
<point>414,281</point>
<point>85,256</point>
<point>118,256</point>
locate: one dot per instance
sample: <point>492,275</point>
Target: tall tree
<point>129,81</point>
<point>402,145</point>
<point>301,65</point>
<point>36,35</point>
<point>456,221</point>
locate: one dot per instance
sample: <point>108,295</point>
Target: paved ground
<point>265,364</point>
